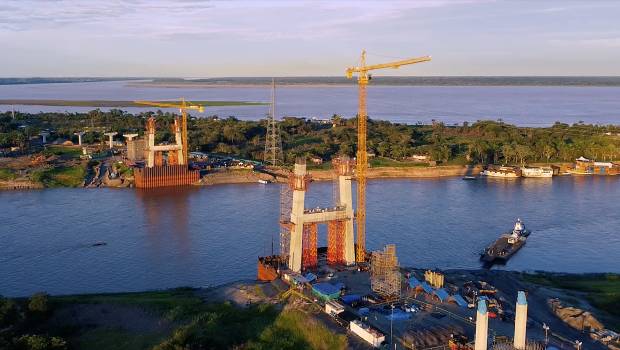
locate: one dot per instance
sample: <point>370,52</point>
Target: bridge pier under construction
<point>301,226</point>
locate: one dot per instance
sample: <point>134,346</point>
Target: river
<point>521,105</point>
<point>211,235</point>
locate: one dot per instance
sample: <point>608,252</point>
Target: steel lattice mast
<point>273,142</point>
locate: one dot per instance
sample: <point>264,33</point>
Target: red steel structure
<point>335,242</point>
<point>165,176</point>
<point>309,246</point>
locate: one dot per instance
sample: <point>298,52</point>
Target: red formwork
<point>309,257</point>
<point>335,242</point>
<point>165,176</point>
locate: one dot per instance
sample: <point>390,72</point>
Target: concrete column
<point>111,138</point>
<point>150,144</point>
<point>44,136</point>
<point>346,199</point>
<point>297,218</point>
<point>179,140</point>
<point>520,321</point>
<point>79,135</point>
<point>482,326</point>
<point>131,148</point>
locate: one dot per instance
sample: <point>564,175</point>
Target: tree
<point>508,152</point>
<point>39,303</point>
<point>549,151</point>
<point>9,312</point>
<point>336,120</point>
<point>232,133</point>
<point>479,148</point>
<point>383,148</point>
<point>522,152</point>
<point>441,152</point>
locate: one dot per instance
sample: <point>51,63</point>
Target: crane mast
<point>362,155</point>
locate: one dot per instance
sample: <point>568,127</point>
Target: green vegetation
<point>392,143</point>
<point>295,330</point>
<point>387,162</point>
<point>173,304</point>
<point>603,290</point>
<point>123,169</point>
<point>39,303</point>
<point>7,174</point>
<point>117,339</point>
<point>193,324</point>
<point>72,176</point>
<point>21,320</point>
<point>69,152</point>
<point>258,327</point>
<point>116,104</point>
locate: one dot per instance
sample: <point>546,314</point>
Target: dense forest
<point>479,142</point>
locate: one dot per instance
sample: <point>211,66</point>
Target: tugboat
<point>506,245</point>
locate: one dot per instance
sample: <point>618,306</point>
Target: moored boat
<point>536,172</point>
<point>502,171</point>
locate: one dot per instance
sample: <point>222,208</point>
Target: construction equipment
<point>183,106</point>
<point>362,157</point>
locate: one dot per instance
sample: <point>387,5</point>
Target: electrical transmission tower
<point>273,142</point>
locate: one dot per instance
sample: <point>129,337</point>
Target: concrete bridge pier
<point>111,138</point>
<point>44,136</point>
<point>79,135</point>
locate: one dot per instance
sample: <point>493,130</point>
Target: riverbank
<point>255,315</point>
<point>236,176</point>
<point>241,176</point>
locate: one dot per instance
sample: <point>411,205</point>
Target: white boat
<point>503,171</point>
<point>261,181</point>
<point>536,172</point>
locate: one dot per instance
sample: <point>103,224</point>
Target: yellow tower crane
<point>362,157</point>
<point>183,106</point>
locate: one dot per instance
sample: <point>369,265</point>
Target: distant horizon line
<point>294,76</point>
<point>330,81</point>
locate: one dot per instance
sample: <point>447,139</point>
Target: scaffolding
<point>309,246</point>
<point>335,242</point>
<point>384,272</point>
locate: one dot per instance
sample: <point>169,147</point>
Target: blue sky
<point>288,38</point>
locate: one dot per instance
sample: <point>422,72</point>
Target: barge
<point>506,245</point>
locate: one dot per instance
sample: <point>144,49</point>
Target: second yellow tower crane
<point>362,157</point>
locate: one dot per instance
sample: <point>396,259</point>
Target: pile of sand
<point>575,317</point>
